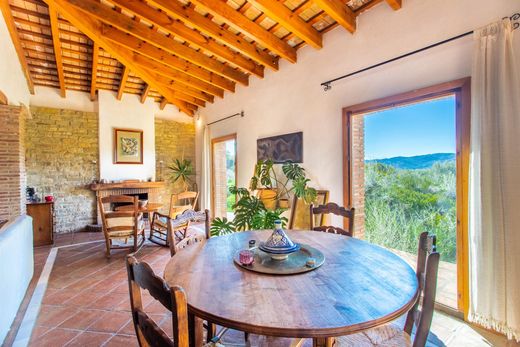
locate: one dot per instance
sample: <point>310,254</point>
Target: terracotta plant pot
<point>283,203</point>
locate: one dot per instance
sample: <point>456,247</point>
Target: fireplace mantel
<point>126,185</point>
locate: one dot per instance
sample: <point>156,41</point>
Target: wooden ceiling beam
<point>163,103</point>
<point>175,27</point>
<point>144,95</point>
<point>179,87</point>
<point>395,4</point>
<point>205,25</point>
<point>178,76</point>
<point>243,24</point>
<point>92,28</point>
<point>93,74</point>
<point>11,27</point>
<point>133,43</point>
<point>122,82</point>
<point>128,25</point>
<point>340,12</point>
<point>277,11</point>
<point>53,17</point>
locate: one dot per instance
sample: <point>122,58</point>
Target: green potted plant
<point>253,212</point>
<point>181,170</point>
<point>295,181</point>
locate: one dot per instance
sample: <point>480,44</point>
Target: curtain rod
<point>327,84</point>
<point>241,114</point>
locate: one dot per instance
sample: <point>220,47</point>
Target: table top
<point>360,286</point>
<point>150,207</point>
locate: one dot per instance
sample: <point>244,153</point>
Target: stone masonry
<point>12,161</point>
<point>173,140</point>
<point>61,157</point>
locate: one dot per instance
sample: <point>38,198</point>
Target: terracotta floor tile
<point>82,319</point>
<point>90,339</point>
<point>108,301</point>
<point>52,316</point>
<point>84,299</point>
<point>122,341</point>
<point>57,296</point>
<point>55,338</point>
<point>111,322</point>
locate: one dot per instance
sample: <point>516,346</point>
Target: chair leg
<point>211,331</point>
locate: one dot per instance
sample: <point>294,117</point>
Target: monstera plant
<point>251,212</point>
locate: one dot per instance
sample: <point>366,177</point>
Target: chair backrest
<point>182,201</point>
<point>427,269</point>
<point>333,208</point>
<point>118,220</point>
<point>182,221</point>
<point>141,276</point>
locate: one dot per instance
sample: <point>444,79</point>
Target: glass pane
<point>224,164</point>
<point>405,182</point>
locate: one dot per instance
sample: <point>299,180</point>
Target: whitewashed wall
<point>12,80</point>
<point>292,99</point>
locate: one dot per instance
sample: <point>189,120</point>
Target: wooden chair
<point>182,202</point>
<point>332,208</point>
<point>141,275</point>
<point>121,224</point>
<point>180,234</point>
<point>158,225</point>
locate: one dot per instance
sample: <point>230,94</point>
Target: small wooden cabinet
<point>43,222</point>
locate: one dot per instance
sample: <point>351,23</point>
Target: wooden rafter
<point>144,95</point>
<point>340,12</point>
<point>277,11</point>
<point>240,22</point>
<point>92,28</point>
<point>395,4</point>
<point>93,74</point>
<point>53,17</point>
<point>163,104</point>
<point>126,24</point>
<point>135,44</point>
<point>122,83</point>
<point>177,28</point>
<point>11,27</point>
<point>189,16</point>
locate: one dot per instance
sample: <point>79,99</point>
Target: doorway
<point>405,171</point>
<point>223,175</point>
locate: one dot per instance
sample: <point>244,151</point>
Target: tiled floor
<point>86,302</point>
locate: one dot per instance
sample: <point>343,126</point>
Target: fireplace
<point>151,191</point>
<point>140,196</point>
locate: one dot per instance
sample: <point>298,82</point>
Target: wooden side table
<point>43,222</point>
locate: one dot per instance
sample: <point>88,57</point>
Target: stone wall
<point>12,161</point>
<point>173,140</point>
<point>358,174</point>
<point>61,156</point>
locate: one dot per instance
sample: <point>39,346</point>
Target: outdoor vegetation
<point>402,203</point>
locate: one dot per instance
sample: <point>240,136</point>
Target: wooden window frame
<point>461,89</point>
<point>213,142</point>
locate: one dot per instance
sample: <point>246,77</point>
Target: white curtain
<point>494,205</point>
<point>205,179</point>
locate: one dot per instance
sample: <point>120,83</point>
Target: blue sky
<point>417,129</point>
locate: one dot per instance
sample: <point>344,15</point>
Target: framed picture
<point>281,149</point>
<point>128,146</point>
<point>300,212</point>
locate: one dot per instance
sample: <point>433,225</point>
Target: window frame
<point>461,89</point>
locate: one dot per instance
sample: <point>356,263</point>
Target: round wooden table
<point>360,286</point>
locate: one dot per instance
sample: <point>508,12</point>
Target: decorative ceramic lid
<point>279,241</point>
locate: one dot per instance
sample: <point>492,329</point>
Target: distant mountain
<point>415,162</point>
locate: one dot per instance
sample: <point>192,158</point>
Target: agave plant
<point>181,170</point>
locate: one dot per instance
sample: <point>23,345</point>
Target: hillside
<point>416,162</point>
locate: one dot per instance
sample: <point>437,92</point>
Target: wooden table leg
<point>323,342</point>
<point>195,330</point>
